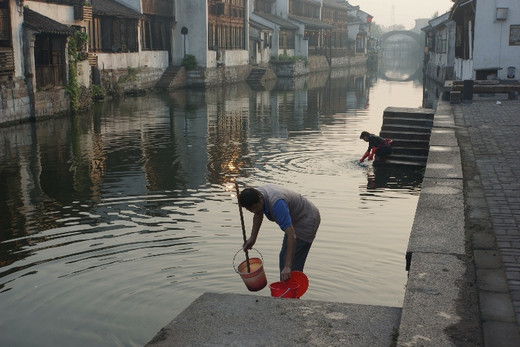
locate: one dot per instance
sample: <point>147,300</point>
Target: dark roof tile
<point>42,24</point>
<point>112,8</point>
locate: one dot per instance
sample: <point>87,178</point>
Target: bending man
<point>294,214</point>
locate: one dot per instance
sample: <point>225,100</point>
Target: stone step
<point>410,143</point>
<point>169,76</point>
<point>408,158</point>
<point>405,135</point>
<point>410,150</point>
<point>256,74</point>
<point>399,162</point>
<point>406,128</point>
<point>423,122</point>
<point>397,112</point>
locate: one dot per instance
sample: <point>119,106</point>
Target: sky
<point>389,12</point>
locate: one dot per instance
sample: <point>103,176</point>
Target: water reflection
<point>126,214</point>
<point>394,178</point>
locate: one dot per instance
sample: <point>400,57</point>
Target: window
<point>116,35</point>
<point>440,44</point>
<point>286,39</point>
<point>5,28</point>
<point>155,34</point>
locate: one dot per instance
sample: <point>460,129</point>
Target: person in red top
<point>377,145</point>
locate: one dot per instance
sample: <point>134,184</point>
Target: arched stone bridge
<point>417,37</point>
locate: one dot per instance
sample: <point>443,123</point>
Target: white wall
<point>193,15</point>
<point>464,69</point>
<point>143,59</point>
<point>60,13</point>
<point>18,39</point>
<point>492,47</point>
<point>235,57</point>
<point>83,73</point>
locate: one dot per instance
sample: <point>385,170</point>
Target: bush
<point>285,57</point>
<point>97,92</point>
<point>189,62</point>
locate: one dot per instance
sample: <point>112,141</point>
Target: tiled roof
<point>340,5</point>
<point>311,23</point>
<point>112,8</point>
<point>259,26</point>
<point>42,24</point>
<point>283,23</point>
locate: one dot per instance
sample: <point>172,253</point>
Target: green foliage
<point>76,44</point>
<point>130,76</point>
<point>97,92</point>
<point>72,88</point>
<point>189,62</point>
<point>292,58</point>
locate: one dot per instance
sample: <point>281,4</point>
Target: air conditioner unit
<point>502,13</point>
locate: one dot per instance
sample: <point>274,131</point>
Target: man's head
<point>364,135</point>
<point>252,200</point>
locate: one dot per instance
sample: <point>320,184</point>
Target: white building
<point>487,43</point>
<point>440,48</point>
<point>215,32</point>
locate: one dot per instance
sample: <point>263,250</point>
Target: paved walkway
<point>488,134</point>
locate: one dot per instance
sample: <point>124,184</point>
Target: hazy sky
<point>388,12</point>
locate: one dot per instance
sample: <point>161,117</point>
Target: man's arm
<point>289,255</point>
<point>257,222</point>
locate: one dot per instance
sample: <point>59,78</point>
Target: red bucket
<point>255,279</point>
<point>287,289</point>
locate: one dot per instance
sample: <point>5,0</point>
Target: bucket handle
<point>256,250</point>
<point>287,291</point>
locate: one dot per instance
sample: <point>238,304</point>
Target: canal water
<point>114,221</point>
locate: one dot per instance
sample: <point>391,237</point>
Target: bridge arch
<point>417,37</point>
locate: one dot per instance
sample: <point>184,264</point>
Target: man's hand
<point>285,274</point>
<point>250,242</point>
<point>367,153</point>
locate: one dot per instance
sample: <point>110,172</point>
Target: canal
<point>114,221</point>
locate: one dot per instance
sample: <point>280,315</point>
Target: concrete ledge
<point>247,320</point>
<point>442,136</point>
<point>438,225</point>
<point>430,303</point>
<point>436,251</point>
<point>443,120</point>
<point>443,162</point>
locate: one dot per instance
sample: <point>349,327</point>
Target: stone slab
<point>443,137</point>
<point>443,120</point>
<point>443,162</point>
<point>430,302</point>
<point>438,225</point>
<point>246,320</point>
